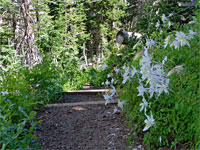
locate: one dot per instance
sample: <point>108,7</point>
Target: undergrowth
<point>158,83</point>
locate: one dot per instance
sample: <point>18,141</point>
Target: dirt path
<point>82,122</point>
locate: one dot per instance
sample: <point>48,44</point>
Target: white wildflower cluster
<point>181,39</point>
<point>4,93</point>
<point>153,81</point>
<point>165,19</point>
<point>104,67</point>
<point>128,73</point>
<point>109,80</point>
<point>150,43</point>
<point>149,122</point>
<point>110,98</point>
<point>154,75</point>
<point>111,95</point>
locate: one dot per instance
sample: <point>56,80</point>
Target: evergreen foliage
<point>45,49</point>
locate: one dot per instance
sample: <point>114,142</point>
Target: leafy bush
<point>163,82</point>
<point>24,90</point>
<point>152,16</point>
<point>46,82</point>
<point>16,104</point>
<point>16,112</point>
<point>76,77</point>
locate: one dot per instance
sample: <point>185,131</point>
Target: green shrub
<point>46,82</point>
<point>16,112</point>
<point>172,117</point>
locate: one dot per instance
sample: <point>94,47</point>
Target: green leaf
<point>22,111</point>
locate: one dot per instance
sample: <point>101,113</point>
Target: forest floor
<point>81,121</point>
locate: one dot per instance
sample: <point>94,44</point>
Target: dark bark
<point>123,37</point>
<point>26,46</point>
<point>37,20</point>
<point>84,55</point>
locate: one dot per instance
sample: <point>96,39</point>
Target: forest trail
<point>81,121</point>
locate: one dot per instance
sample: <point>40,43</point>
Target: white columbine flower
<point>146,60</point>
<point>160,139</point>
<point>175,43</point>
<point>145,71</point>
<point>162,88</point>
<point>152,90</point>
<point>109,75</point>
<point>155,76</point>
<point>104,66</point>
<point>125,77</point>
<point>182,38</point>
<point>153,81</point>
<point>4,93</point>
<point>164,17</point>
<point>158,69</point>
<point>171,14</point>
<point>141,90</point>
<point>164,60</point>
<point>191,34</point>
<point>107,82</point>
<point>117,70</point>
<point>167,40</point>
<point>169,24</point>
<point>112,80</point>
<point>108,98</point>
<point>144,105</point>
<point>149,122</point>
<point>113,91</point>
<point>150,43</point>
<point>133,72</point>
<point>115,110</point>
<point>126,69</point>
<point>120,103</point>
<point>158,24</point>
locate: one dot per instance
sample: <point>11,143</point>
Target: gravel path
<point>82,122</point>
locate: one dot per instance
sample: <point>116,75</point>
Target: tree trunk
<point>91,49</point>
<point>37,19</point>
<point>124,37</point>
<point>26,47</point>
<point>97,40</point>
<point>84,55</point>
